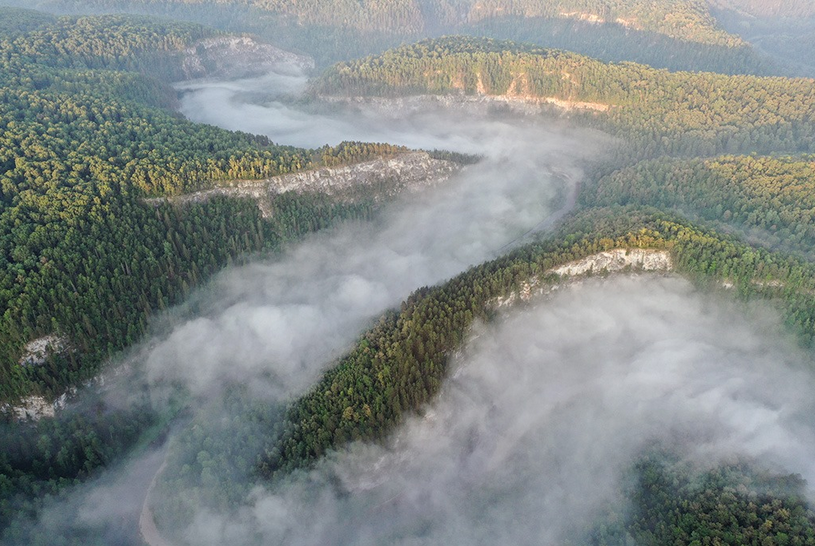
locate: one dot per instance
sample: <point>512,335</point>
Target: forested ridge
<point>684,19</point>
<point>81,142</point>
<point>657,112</point>
<point>399,364</point>
<point>107,41</point>
<point>677,34</point>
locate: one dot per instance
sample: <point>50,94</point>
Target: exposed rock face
<point>598,20</point>
<point>239,57</point>
<point>34,407</point>
<point>38,350</point>
<point>610,261</point>
<point>410,171</point>
<point>617,260</point>
<point>470,104</point>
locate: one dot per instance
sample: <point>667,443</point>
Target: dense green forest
<point>772,199</point>
<point>655,111</point>
<point>733,504</point>
<point>82,142</point>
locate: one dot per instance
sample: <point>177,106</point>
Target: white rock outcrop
<point>410,171</point>
<point>34,407</point>
<point>610,261</point>
<point>38,350</point>
<point>617,260</point>
<point>239,57</point>
<point>479,104</point>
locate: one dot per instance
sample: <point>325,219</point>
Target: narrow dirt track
<point>147,524</point>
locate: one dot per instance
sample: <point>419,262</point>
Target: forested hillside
<point>398,365</point>
<point>767,8</point>
<point>657,112</point>
<point>683,19</point>
<point>772,199</point>
<point>84,260</point>
<point>675,34</point>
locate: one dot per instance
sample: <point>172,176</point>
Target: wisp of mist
<point>276,324</point>
<point>543,414</point>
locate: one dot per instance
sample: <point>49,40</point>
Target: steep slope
<point>656,111</point>
<point>771,199</point>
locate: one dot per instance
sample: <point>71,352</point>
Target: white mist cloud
<point>542,415</point>
<point>277,324</point>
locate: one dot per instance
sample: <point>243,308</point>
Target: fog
<point>277,105</point>
<point>282,320</point>
<point>544,412</point>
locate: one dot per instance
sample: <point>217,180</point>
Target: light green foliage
<point>773,198</point>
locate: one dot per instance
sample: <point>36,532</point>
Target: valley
<point>294,287</point>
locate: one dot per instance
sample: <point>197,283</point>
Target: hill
<point>85,137</point>
<point>656,111</point>
<point>767,8</point>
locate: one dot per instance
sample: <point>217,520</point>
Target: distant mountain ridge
<point>768,8</point>
<point>673,34</point>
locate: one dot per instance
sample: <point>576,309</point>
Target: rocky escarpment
<point>227,57</point>
<point>380,179</point>
<point>617,260</point>
<point>610,261</point>
<point>478,104</point>
<point>37,351</point>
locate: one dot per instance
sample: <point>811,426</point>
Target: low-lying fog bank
<point>274,105</point>
<point>543,414</point>
<point>277,323</point>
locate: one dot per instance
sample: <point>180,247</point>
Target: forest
<point>676,34</point>
<point>770,199</point>
<point>715,168</point>
<point>84,138</point>
<point>657,112</point>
